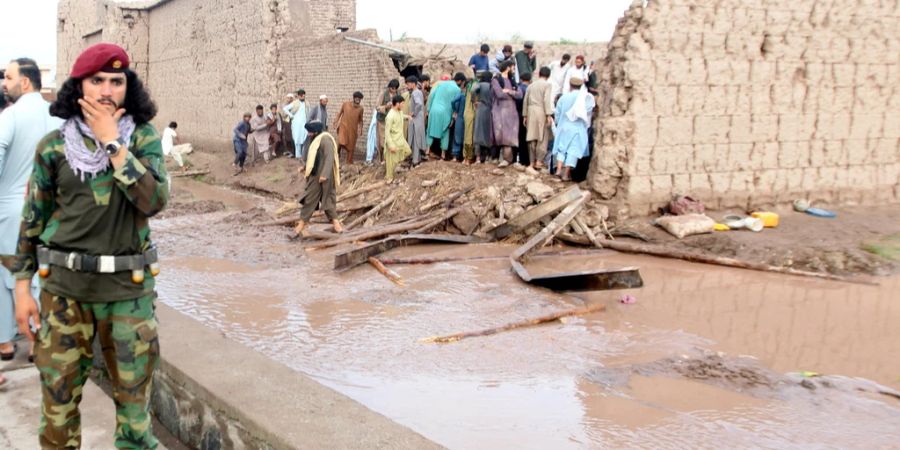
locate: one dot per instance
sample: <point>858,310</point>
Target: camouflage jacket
<point>103,215</point>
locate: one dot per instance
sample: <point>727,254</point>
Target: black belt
<point>81,262</point>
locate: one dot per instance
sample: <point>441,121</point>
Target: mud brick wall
<point>209,64</point>
<point>336,67</point>
<point>205,62</point>
<point>748,104</point>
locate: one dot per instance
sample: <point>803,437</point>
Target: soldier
<point>85,230</point>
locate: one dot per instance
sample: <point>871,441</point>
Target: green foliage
<point>887,247</point>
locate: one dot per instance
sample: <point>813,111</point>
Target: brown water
<point>603,380</point>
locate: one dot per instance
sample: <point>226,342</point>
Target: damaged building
<point>208,62</point>
<point>748,104</point>
<point>738,104</point>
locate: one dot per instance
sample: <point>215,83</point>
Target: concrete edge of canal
<point>213,393</point>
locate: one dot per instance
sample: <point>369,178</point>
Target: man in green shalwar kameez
<point>396,148</point>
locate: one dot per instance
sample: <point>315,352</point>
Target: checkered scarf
<point>81,159</point>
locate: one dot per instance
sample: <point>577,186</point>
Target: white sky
<point>28,27</point>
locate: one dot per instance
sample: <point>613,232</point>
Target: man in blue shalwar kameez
<point>573,115</point>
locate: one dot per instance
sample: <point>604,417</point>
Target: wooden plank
<point>553,228</point>
<point>371,212</point>
<point>535,213</point>
<point>356,256</point>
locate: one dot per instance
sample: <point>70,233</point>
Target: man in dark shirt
<point>239,139</point>
<point>526,60</point>
<point>479,61</point>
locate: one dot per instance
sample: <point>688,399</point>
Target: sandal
<point>9,356</point>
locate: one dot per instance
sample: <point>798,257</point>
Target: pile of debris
<point>440,197</point>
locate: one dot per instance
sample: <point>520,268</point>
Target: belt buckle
<point>70,261</point>
<point>106,264</point>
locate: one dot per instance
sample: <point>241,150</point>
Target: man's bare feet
<point>300,229</point>
<point>338,228</point>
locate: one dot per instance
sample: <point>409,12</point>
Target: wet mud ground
<point>707,357</point>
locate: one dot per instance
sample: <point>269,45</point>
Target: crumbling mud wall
<point>210,64</point>
<point>205,62</point>
<point>750,104</point>
<point>81,23</point>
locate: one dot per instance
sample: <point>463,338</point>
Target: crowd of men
<point>512,112</point>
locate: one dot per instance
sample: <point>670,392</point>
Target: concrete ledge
<point>213,393</point>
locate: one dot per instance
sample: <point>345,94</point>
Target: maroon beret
<point>102,57</point>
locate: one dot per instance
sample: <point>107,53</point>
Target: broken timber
<point>589,280</point>
<point>354,257</point>
<point>371,212</point>
<point>512,326</point>
<point>535,213</point>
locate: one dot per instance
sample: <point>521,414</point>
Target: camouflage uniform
<point>103,215</point>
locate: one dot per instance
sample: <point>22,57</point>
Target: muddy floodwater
<point>706,357</point>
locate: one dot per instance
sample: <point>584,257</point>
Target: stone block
<point>639,186</point>
<point>764,180</point>
<point>741,99</point>
<point>866,126</point>
<point>824,126</point>
<point>843,100</point>
<point>640,165</point>
<point>884,151</point>
<point>782,95</point>
<point>681,183</point>
<point>809,180</point>
<point>711,129</point>
<point>675,130</point>
<point>697,71</point>
<point>791,154</point>
<point>674,68</point>
<point>769,152</point>
<point>713,45</point>
<point>700,185</point>
<point>739,156</point>
<point>645,132</point>
<point>741,182</point>
<point>794,181</point>
<point>857,152</point>
<point>720,182</point>
<point>888,175</point>
<point>721,160</point>
<point>704,158</point>
<point>718,100</point>
<point>891,127</point>
<point>665,100</point>
<point>741,129</point>
<point>844,74</point>
<point>818,73</point>
<point>691,98</point>
<point>661,187</point>
<point>760,99</point>
<point>840,126</point>
<point>835,154</point>
<point>788,127</point>
<point>719,71</point>
<point>860,177</point>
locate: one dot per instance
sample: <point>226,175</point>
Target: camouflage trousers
<point>127,334</point>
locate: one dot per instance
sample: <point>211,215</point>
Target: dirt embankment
<point>861,240</point>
